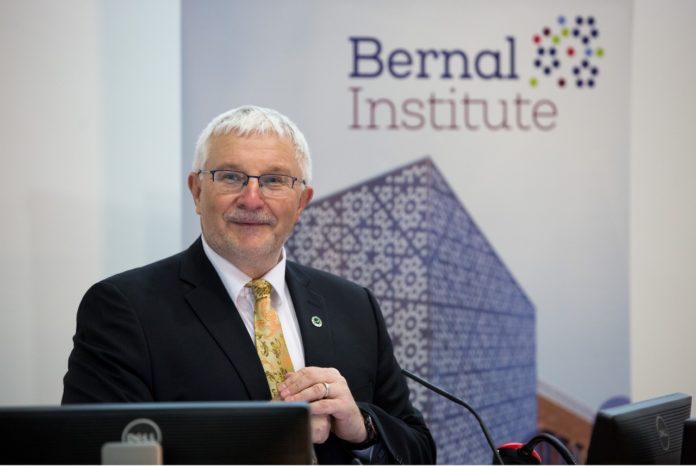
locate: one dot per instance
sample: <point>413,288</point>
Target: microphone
<point>454,399</point>
<point>509,453</point>
<point>518,453</point>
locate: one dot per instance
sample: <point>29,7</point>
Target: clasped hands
<point>331,403</point>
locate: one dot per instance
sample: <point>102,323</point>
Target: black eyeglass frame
<point>248,177</point>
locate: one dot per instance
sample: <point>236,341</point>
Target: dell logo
<point>662,432</point>
<point>141,431</point>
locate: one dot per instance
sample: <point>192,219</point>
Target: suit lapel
<point>312,316</point>
<point>211,303</point>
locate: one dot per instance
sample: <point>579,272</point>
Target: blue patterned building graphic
<point>454,311</point>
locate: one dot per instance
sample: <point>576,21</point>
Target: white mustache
<point>242,216</point>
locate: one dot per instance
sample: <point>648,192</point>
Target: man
<point>231,319</point>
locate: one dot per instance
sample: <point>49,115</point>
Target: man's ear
<point>194,184</point>
<point>305,198</point>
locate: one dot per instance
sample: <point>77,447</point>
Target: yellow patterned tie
<point>270,343</point>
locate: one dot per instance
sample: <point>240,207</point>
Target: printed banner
<point>522,107</point>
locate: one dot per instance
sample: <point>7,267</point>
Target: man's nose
<point>251,196</point>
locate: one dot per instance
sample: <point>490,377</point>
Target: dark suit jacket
<point>170,332</point>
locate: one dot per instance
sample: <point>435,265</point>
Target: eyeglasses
<point>271,185</point>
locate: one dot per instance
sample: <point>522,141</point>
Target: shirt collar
<point>235,280</point>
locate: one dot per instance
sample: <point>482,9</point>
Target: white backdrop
<point>82,90</point>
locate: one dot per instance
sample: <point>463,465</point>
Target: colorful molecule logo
<point>568,55</point>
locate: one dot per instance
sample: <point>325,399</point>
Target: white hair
<point>252,120</point>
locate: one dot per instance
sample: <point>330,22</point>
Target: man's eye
<point>231,177</point>
<point>274,180</point>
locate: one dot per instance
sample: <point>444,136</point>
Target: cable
<point>551,440</point>
<point>456,400</point>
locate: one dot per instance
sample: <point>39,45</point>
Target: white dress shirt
<point>235,281</point>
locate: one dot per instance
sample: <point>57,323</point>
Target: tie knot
<point>260,287</point>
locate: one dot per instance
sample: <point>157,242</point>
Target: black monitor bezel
<point>192,432</point>
<point>628,434</point>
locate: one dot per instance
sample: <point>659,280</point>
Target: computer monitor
<point>646,432</point>
<point>688,453</point>
<point>189,433</point>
